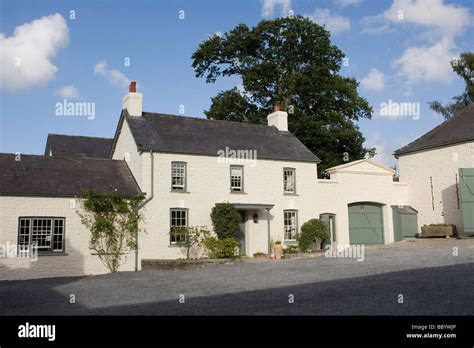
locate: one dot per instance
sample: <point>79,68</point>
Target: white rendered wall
<point>77,259</point>
<point>442,165</point>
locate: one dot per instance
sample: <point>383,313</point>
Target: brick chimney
<point>278,119</point>
<point>133,100</point>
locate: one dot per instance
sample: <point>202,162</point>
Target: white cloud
<point>374,81</point>
<point>26,55</point>
<point>68,91</point>
<point>345,3</point>
<point>375,25</point>
<point>334,23</point>
<point>268,7</point>
<point>114,77</point>
<point>446,20</point>
<point>441,24</point>
<point>428,63</point>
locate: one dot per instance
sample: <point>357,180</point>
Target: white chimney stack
<point>133,101</point>
<point>278,119</point>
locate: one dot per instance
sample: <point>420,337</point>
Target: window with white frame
<point>178,176</point>
<point>290,220</point>
<point>178,225</point>
<point>237,178</point>
<point>44,232</point>
<point>289,180</point>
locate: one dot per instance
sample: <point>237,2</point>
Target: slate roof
<point>406,209</point>
<point>78,146</point>
<point>182,134</point>
<point>457,129</point>
<point>63,176</point>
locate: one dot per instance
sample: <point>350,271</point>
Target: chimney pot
<point>133,87</point>
<point>276,107</point>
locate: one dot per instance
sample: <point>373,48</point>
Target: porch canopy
<point>252,206</point>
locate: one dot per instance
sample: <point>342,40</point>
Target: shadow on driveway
<point>446,290</point>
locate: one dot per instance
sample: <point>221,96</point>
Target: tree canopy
<point>292,63</point>
<point>464,67</point>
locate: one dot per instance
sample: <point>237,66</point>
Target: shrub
<point>190,238</point>
<point>221,248</point>
<point>225,220</point>
<point>311,231</point>
<point>291,249</point>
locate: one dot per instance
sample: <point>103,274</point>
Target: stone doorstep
<point>157,264</point>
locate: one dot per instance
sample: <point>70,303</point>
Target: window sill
<point>237,192</point>
<point>176,245</point>
<point>52,254</point>
<point>290,242</point>
<point>290,194</point>
<point>179,191</point>
<point>127,253</point>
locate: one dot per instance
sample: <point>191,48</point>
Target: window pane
<point>58,235</point>
<point>179,222</point>
<point>290,223</point>
<point>46,233</point>
<point>24,234</point>
<point>289,180</point>
<point>41,233</point>
<point>236,178</point>
<point>178,176</point>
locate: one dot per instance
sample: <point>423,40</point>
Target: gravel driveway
<point>430,278</point>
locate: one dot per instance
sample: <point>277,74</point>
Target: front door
<point>241,235</point>
<point>467,198</point>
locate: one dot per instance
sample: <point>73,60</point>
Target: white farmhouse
<point>184,166</point>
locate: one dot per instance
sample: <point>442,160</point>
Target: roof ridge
<point>205,119</point>
<point>79,136</point>
<point>87,158</point>
<point>62,157</point>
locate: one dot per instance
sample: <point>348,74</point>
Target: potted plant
<point>278,250</point>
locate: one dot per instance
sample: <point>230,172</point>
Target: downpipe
<point>152,170</point>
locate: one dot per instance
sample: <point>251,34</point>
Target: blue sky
<point>399,56</point>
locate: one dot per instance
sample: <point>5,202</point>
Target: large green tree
<point>290,62</point>
<point>464,67</point>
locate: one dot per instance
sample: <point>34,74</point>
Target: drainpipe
<point>152,170</point>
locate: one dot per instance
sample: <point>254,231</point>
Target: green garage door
<point>365,223</point>
<point>466,176</point>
